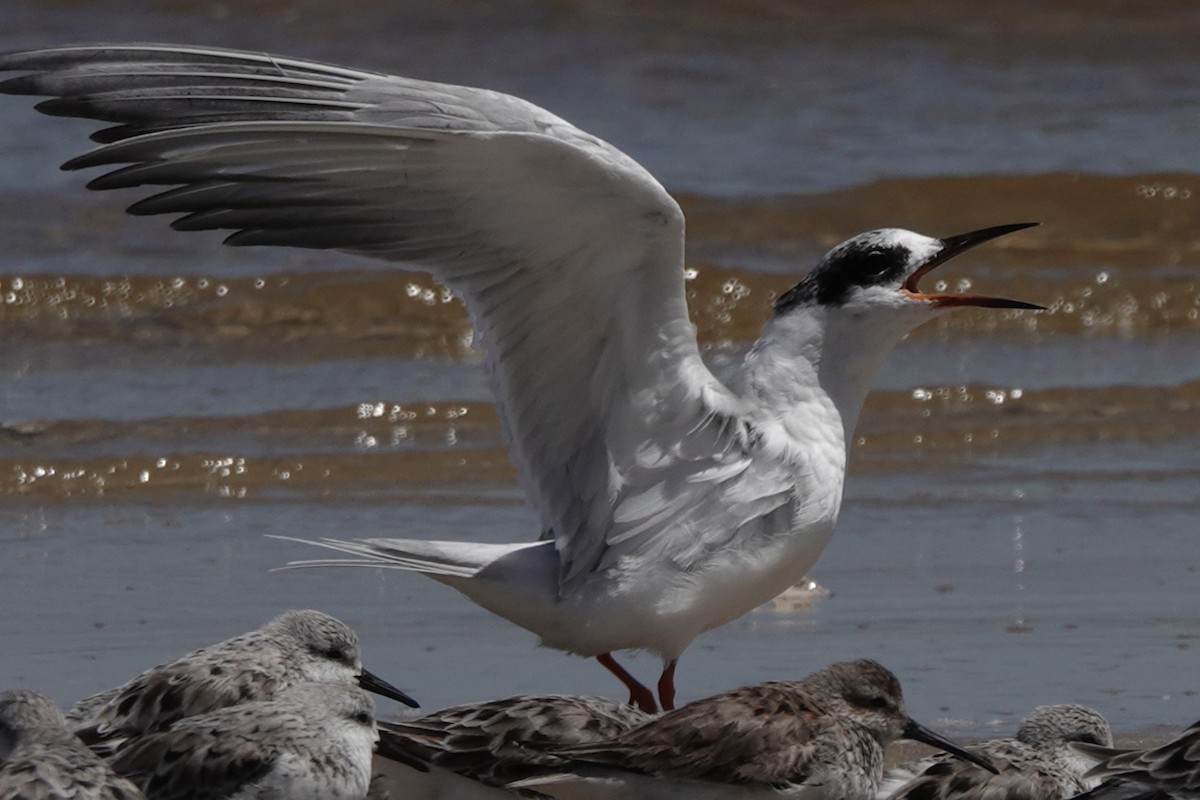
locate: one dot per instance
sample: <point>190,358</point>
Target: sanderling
<point>312,742</point>
<point>670,502</point>
<point>1036,765</point>
<point>460,752</point>
<point>1168,772</point>
<point>820,738</point>
<point>295,647</point>
<point>40,759</point>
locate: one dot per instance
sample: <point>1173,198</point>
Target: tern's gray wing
<point>568,253</point>
<point>499,741</point>
<point>210,756</point>
<point>758,735</point>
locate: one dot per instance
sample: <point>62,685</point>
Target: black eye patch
<point>857,264</point>
<point>868,265</point>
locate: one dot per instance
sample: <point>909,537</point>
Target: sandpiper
<point>819,738</point>
<point>1038,764</point>
<point>312,742</point>
<point>295,647</point>
<point>40,759</point>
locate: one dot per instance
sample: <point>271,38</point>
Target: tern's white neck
<point>809,358</point>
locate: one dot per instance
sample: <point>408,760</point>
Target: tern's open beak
<point>371,682</point>
<point>952,246</point>
<point>919,733</point>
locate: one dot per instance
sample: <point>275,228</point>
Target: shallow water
<point>1020,524</point>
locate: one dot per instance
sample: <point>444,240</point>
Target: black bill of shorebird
<point>919,733</point>
<point>374,684</point>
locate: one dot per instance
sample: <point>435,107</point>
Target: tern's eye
<point>875,262</point>
<point>874,265</point>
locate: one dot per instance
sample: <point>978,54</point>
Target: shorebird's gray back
<point>312,741</point>
<point>295,647</point>
<point>40,759</point>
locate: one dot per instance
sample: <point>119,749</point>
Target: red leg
<point>666,686</point>
<point>639,695</point>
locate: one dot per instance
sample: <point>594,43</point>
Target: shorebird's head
<point>877,274</point>
<point>24,714</point>
<point>868,694</point>
<point>327,650</point>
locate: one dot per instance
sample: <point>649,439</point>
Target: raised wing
<point>568,253</point>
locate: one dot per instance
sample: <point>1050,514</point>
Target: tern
<point>670,502</point>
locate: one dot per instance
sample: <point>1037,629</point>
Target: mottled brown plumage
<point>500,741</point>
<point>823,736</point>
<point>1168,772</point>
<point>1036,765</point>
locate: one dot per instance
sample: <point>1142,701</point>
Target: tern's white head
<point>836,326</point>
<point>878,271</point>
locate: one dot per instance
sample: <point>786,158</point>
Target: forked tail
<point>448,559</point>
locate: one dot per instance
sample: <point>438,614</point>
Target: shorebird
<point>819,738</point>
<point>474,750</point>
<point>40,759</point>
<point>294,648</point>
<point>669,502</point>
<point>312,742</point>
<point>1039,764</point>
<point>1168,772</point>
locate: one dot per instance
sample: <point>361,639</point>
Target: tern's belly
<point>660,608</point>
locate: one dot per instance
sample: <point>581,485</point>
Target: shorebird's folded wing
<point>496,742</point>
<point>568,253</point>
<point>759,735</point>
<point>203,757</point>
